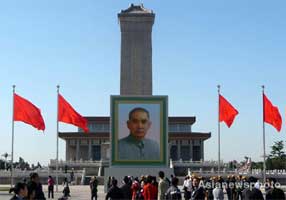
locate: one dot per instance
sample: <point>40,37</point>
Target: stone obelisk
<point>136,50</point>
<point>136,75</point>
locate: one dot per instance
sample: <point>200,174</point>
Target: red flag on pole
<point>271,114</point>
<point>67,114</point>
<point>227,112</point>
<point>28,113</point>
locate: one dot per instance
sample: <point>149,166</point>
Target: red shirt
<point>51,182</point>
<point>135,187</point>
<point>150,192</point>
<point>154,192</point>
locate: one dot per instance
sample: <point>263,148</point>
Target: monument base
<point>119,172</point>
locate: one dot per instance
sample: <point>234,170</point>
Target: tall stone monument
<point>136,50</point>
<point>136,82</point>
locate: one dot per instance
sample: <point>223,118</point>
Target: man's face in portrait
<point>139,124</point>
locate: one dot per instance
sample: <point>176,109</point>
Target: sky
<point>197,44</point>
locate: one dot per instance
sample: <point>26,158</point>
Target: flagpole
<point>57,162</point>
<point>218,167</point>
<point>264,153</point>
<point>12,151</point>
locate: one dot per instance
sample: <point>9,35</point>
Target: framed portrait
<point>139,130</point>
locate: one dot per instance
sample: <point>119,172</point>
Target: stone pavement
<point>78,192</point>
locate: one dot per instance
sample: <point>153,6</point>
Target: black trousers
<point>94,196</point>
<point>51,191</point>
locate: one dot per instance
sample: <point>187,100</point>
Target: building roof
<point>65,135</point>
<point>180,120</point>
<point>105,135</point>
<point>102,119</point>
<point>188,135</point>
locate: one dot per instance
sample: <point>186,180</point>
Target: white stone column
<point>77,149</point>
<point>179,149</point>
<point>67,150</point>
<point>89,149</point>
<point>169,150</point>
<point>202,149</point>
<point>191,150</point>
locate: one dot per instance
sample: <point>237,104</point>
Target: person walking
<point>93,187</point>
<point>66,191</point>
<point>174,193</point>
<point>163,186</point>
<point>20,191</point>
<point>198,192</point>
<point>114,192</point>
<point>274,192</point>
<point>51,184</point>
<point>35,182</point>
<point>126,188</point>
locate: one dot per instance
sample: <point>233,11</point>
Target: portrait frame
<point>120,107</point>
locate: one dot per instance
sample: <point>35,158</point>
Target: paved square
<point>78,192</point>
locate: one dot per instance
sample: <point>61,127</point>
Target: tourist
<point>252,192</point>
<point>198,192</point>
<point>35,182</point>
<point>66,190</point>
<point>32,192</point>
<point>114,192</point>
<point>187,187</point>
<point>173,192</point>
<point>135,188</point>
<point>126,188</point>
<point>154,188</point>
<point>274,192</point>
<point>162,186</point>
<point>110,178</point>
<point>20,191</point>
<point>51,184</point>
<point>218,191</point>
<point>93,187</point>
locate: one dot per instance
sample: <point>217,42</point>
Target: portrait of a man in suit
<point>136,146</point>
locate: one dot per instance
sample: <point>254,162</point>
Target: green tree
<point>277,157</point>
<point>257,165</point>
<point>277,150</point>
<point>2,164</point>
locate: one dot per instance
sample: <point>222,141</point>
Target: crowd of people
<point>193,188</point>
<point>160,188</point>
<point>29,190</point>
<point>33,189</point>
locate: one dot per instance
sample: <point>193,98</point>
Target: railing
<point>42,173</point>
<point>253,172</point>
<point>190,162</point>
<point>211,165</point>
<point>79,163</point>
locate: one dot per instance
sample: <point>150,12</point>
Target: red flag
<point>28,113</point>
<point>68,115</point>
<point>227,112</point>
<point>271,114</point>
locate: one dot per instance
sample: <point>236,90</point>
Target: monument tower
<point>136,50</point>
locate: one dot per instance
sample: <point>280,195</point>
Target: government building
<point>184,144</point>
